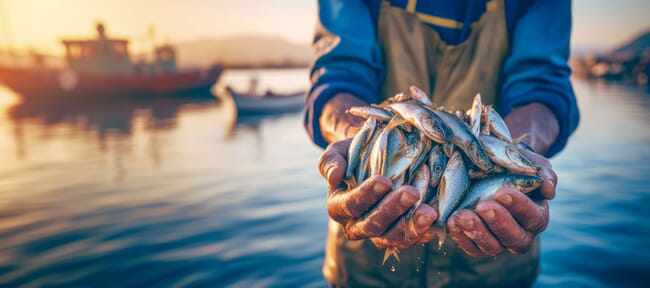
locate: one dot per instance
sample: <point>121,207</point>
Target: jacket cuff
<point>319,95</point>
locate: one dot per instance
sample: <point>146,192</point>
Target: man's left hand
<point>510,221</point>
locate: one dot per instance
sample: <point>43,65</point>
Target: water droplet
<point>417,269</point>
<point>392,269</point>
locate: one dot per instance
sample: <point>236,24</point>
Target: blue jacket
<point>535,69</point>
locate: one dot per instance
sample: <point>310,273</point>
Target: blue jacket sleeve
<point>536,69</point>
<point>347,57</point>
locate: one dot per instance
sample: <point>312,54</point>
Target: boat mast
<point>5,30</point>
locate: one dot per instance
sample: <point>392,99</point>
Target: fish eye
<point>529,182</point>
<point>437,168</point>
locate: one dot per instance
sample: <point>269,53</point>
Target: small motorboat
<point>267,103</point>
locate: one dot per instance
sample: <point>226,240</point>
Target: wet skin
<point>376,212</point>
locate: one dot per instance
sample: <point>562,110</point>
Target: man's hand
<point>373,210</point>
<point>510,221</point>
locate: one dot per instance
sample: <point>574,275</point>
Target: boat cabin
<point>105,55</point>
<point>98,56</point>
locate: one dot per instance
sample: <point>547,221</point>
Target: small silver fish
<point>496,124</point>
<point>437,162</point>
<point>451,191</point>
<point>422,119</point>
<point>355,150</point>
<point>381,115</point>
<point>400,155</point>
<point>466,141</point>
<point>421,184</point>
<point>475,115</point>
<point>486,188</point>
<point>422,158</point>
<point>378,159</point>
<point>507,155</point>
<point>419,95</point>
<point>364,162</point>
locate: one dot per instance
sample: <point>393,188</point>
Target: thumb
<point>332,163</point>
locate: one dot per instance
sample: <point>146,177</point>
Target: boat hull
<point>248,104</point>
<point>35,84</point>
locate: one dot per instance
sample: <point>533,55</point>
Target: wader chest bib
<point>414,54</point>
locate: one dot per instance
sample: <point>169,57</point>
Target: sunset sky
<point>39,24</point>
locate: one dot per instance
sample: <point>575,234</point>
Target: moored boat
<point>102,68</point>
<point>267,103</point>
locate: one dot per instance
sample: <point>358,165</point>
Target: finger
<point>402,236</point>
<point>380,218</point>
<point>332,163</point>
<point>463,242</point>
<point>504,227</point>
<point>396,236</point>
<point>343,206</point>
<point>420,223</point>
<point>532,216</point>
<point>547,189</point>
<point>475,230</point>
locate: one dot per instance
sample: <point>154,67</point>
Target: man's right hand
<point>373,210</point>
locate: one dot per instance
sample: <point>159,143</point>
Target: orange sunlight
<point>39,25</point>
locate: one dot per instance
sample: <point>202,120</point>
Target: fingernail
<point>423,221</point>
<point>329,171</point>
<point>505,199</point>
<point>471,234</point>
<point>379,187</point>
<point>408,198</point>
<point>465,223</point>
<point>487,215</point>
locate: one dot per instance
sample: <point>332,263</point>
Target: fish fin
<point>448,148</point>
<point>395,122</point>
<point>520,138</point>
<point>351,182</point>
<point>410,224</point>
<point>391,251</point>
<point>441,188</point>
<point>475,174</point>
<point>407,127</point>
<point>442,236</point>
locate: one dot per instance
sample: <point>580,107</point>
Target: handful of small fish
<point>452,158</point>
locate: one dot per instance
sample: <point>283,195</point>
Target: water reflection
<point>105,117</point>
<point>111,127</point>
<point>182,192</point>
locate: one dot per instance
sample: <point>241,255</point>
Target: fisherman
<point>512,52</point>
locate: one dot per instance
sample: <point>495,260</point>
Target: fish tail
<point>410,224</point>
<point>391,251</point>
<point>520,138</point>
<point>442,235</point>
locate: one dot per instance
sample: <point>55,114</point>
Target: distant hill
<point>250,50</point>
<point>636,45</point>
<point>586,50</point>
